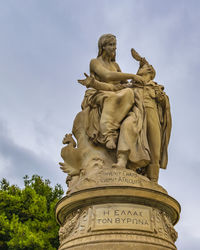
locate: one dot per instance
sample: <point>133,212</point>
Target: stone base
<point>115,216</point>
<point>120,245</point>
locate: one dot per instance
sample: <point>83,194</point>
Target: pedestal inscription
<point>119,177</point>
<point>122,216</point>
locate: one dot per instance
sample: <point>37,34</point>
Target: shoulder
<point>95,65</point>
<point>94,61</point>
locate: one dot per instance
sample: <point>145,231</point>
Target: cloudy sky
<point>46,45</point>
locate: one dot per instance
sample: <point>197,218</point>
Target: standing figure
<point>154,132</point>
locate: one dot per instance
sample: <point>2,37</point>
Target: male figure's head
<point>107,45</point>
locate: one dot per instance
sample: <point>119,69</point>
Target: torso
<point>149,95</point>
<point>112,66</point>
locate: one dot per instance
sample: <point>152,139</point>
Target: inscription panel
<point>122,216</point>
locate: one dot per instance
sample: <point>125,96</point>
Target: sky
<point>46,45</point>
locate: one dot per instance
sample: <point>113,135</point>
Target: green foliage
<point>27,219</point>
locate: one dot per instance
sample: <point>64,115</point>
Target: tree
<point>27,219</point>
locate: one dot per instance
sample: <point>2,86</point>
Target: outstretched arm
<point>107,75</point>
<point>90,82</point>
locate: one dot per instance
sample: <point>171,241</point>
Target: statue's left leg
<point>115,109</point>
<point>154,140</point>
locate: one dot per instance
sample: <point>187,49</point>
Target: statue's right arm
<point>91,82</point>
<point>107,76</point>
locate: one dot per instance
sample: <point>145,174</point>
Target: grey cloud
<point>22,161</point>
<point>47,45</point>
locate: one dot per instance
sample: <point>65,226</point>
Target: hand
<point>119,86</point>
<point>138,79</point>
<point>128,85</point>
<point>86,82</point>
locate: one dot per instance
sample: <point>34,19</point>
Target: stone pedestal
<point>117,209</point>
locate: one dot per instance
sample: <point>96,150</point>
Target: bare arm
<point>90,82</point>
<point>107,75</point>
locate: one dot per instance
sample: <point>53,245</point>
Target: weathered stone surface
<point>120,143</point>
<point>120,218</point>
<point>101,176</point>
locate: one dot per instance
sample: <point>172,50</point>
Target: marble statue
<point>131,119</point>
<point>113,156</point>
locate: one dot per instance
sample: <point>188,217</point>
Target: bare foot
<point>121,161</point>
<point>111,143</point>
<point>154,180</point>
<point>118,165</point>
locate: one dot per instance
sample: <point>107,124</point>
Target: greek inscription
<point>125,216</point>
<point>123,221</point>
<point>106,212</point>
<point>123,177</point>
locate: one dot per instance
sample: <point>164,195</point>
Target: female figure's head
<point>147,69</point>
<point>107,44</point>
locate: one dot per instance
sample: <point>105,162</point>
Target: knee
<point>125,124</point>
<point>127,94</point>
<point>129,126</point>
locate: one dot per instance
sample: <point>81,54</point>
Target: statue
<point>120,143</point>
<point>122,124</point>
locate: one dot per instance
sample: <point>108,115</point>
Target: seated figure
<point>107,106</point>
